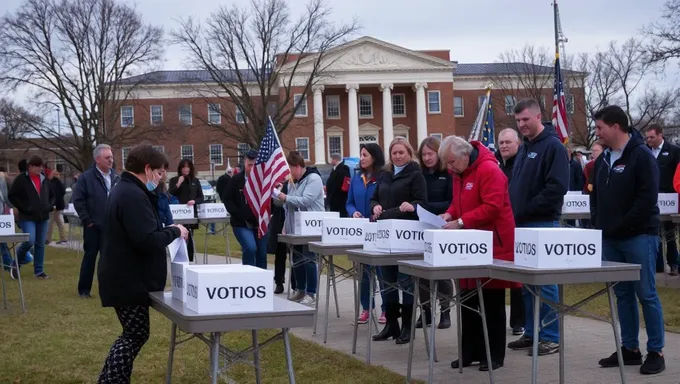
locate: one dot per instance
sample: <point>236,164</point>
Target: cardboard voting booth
<point>179,261</point>
<point>311,223</point>
<point>576,203</point>
<point>7,224</point>
<point>458,247</point>
<point>181,211</point>
<point>667,203</point>
<point>348,231</point>
<point>229,288</point>
<point>371,237</point>
<point>558,247</point>
<point>402,235</point>
<point>212,211</point>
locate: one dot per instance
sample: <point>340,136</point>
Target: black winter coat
<point>235,202</point>
<point>668,160</point>
<point>439,190</point>
<point>189,190</point>
<point>337,198</point>
<point>276,223</point>
<point>90,195</point>
<point>59,193</point>
<point>393,190</point>
<point>133,258</point>
<point>25,198</point>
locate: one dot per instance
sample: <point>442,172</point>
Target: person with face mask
<point>133,257</point>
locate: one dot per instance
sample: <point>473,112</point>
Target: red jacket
<point>588,172</point>
<point>481,199</point>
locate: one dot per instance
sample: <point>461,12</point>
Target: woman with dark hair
<point>439,194</point>
<point>186,187</point>
<point>164,211</point>
<point>133,257</point>
<point>400,189</point>
<point>361,189</point>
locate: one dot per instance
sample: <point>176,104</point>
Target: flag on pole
<point>559,112</point>
<point>270,169</point>
<point>488,134</point>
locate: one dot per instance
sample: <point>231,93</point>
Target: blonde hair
<point>406,144</point>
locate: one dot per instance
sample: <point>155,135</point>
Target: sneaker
<point>279,289</point>
<point>674,270</point>
<point>14,272</point>
<point>630,357</point>
<point>654,363</point>
<point>518,331</point>
<point>85,296</point>
<point>545,348</point>
<point>297,296</point>
<point>382,319</point>
<point>522,343</point>
<point>62,242</point>
<point>29,257</point>
<point>363,317</point>
<point>309,300</point>
<point>42,275</point>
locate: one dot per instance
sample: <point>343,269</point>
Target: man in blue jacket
<point>623,205</point>
<point>540,179</point>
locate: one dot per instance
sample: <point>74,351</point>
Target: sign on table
<point>181,211</point>
<point>576,203</point>
<point>459,247</point>
<point>371,237</point>
<point>7,225</point>
<point>401,235</point>
<point>667,203</point>
<point>212,211</point>
<point>229,288</point>
<point>558,247</point>
<point>311,223</point>
<point>71,210</point>
<point>178,267</point>
<point>348,231</point>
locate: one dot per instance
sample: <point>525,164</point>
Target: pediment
<point>334,129</point>
<point>368,127</point>
<point>401,127</point>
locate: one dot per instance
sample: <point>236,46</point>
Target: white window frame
<point>462,106</point>
<point>179,114</point>
<point>368,141</point>
<point>240,116</point>
<point>339,135</point>
<point>123,117</point>
<point>151,115</point>
<point>241,149</point>
<point>212,112</point>
<point>301,110</point>
<point>124,152</point>
<point>570,100</point>
<point>159,148</point>
<point>297,148</point>
<point>330,98</point>
<point>370,97</point>
<point>181,152</point>
<point>439,136</point>
<point>403,97</point>
<point>221,153</point>
<point>509,108</point>
<point>439,103</point>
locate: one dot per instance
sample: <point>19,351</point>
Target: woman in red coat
<point>481,201</point>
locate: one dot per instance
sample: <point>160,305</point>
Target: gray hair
<point>98,150</point>
<point>336,156</point>
<point>456,145</point>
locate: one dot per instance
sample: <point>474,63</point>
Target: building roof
<point>185,77</point>
<point>490,69</point>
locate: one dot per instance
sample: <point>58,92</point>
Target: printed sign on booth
<point>349,231</point>
<point>7,225</point>
<point>462,247</point>
<point>402,235</point>
<point>371,237</point>
<point>212,211</point>
<point>576,203</point>
<point>667,203</point>
<point>181,211</point>
<point>311,223</point>
<point>558,247</point>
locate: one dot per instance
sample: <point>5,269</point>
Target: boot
<point>428,317</point>
<point>391,329</point>
<point>445,319</point>
<point>406,316</point>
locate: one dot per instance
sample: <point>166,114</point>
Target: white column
<point>421,108</point>
<point>388,125</point>
<point>353,119</point>
<point>319,138</point>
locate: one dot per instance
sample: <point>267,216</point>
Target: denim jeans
<point>365,291</point>
<point>637,250</point>
<point>6,257</point>
<point>305,271</point>
<point>392,277</point>
<point>37,233</point>
<point>254,249</point>
<point>549,292</point>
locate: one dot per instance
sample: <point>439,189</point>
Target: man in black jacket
<point>623,206</point>
<point>337,185</point>
<point>667,159</point>
<point>59,205</point>
<point>222,183</point>
<point>32,196</point>
<point>539,182</point>
<point>89,198</point>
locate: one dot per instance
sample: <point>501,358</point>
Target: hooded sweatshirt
<point>305,194</point>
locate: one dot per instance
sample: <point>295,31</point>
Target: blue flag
<point>488,134</point>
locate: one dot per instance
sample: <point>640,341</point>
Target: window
<point>438,136</point>
<point>366,106</point>
<point>214,113</point>
<point>127,116</point>
<point>434,102</point>
<point>365,139</point>
<point>301,110</point>
<point>159,148</point>
<point>509,104</point>
<point>302,146</point>
<point>156,114</point>
<point>240,117</point>
<point>59,165</point>
<point>187,152</point>
<point>216,154</point>
<point>458,106</point>
<point>570,104</point>
<point>334,145</point>
<point>185,114</point>
<point>333,107</point>
<point>242,149</point>
<point>124,155</point>
<point>398,105</point>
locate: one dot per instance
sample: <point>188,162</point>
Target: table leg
<point>537,324</point>
<point>4,288</point>
<point>617,335</point>
<point>214,357</point>
<point>369,340</point>
<point>226,241</point>
<point>290,263</point>
<point>560,318</point>
<point>205,245</point>
<point>21,286</point>
<point>171,354</point>
<point>459,326</point>
<point>289,356</point>
<point>485,329</point>
<point>329,276</point>
<point>416,298</point>
<point>335,286</point>
<point>433,309</point>
<point>357,303</point>
<point>319,268</point>
<point>425,333</point>
<point>256,358</point>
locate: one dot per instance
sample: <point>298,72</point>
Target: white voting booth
<point>311,223</point>
<point>212,211</point>
<point>181,211</point>
<point>458,247</point>
<point>667,203</point>
<point>178,264</point>
<point>401,235</point>
<point>7,224</point>
<point>229,288</point>
<point>347,231</point>
<point>558,247</point>
<point>371,237</point>
<point>576,203</point>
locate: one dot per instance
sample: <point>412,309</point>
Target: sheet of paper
<point>428,217</point>
<point>178,251</point>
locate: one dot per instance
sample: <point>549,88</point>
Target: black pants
<point>516,308</point>
<point>92,238</point>
<point>280,264</point>
<point>671,249</point>
<point>444,291</point>
<point>190,244</point>
<point>118,365</point>
<point>473,334</point>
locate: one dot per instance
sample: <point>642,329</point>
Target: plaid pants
<point>118,365</point>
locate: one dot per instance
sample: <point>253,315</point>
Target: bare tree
<point>664,34</point>
<point>72,54</point>
<point>655,106</point>
<point>249,52</point>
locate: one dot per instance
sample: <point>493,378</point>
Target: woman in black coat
<point>133,258</point>
<point>186,187</point>
<point>400,189</point>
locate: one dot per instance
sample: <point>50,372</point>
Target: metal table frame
<point>225,226</point>
<point>12,242</point>
<point>74,222</point>
<point>286,315</point>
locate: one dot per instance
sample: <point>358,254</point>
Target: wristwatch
<point>460,222</point>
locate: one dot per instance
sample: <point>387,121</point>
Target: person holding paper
<point>482,202</point>
<point>305,193</point>
<point>133,259</point>
<point>400,189</point>
<point>361,190</point>
<point>186,187</point>
<point>439,194</point>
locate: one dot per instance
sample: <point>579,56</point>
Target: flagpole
<point>557,33</point>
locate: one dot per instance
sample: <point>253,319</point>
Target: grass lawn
<point>65,339</point>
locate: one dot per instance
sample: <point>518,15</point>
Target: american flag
<point>559,112</point>
<point>270,169</point>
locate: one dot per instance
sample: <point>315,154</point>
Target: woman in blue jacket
<point>164,200</point>
<point>361,189</point>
